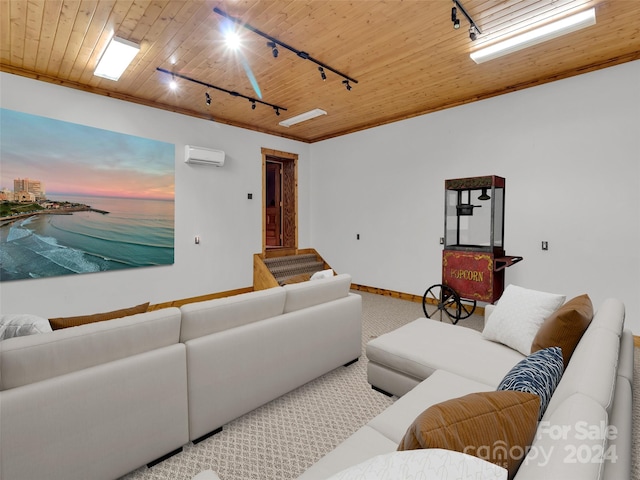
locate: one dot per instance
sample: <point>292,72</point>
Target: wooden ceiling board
<point>406,56</point>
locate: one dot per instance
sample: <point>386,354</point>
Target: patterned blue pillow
<point>539,373</point>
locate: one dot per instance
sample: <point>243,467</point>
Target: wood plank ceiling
<point>405,55</point>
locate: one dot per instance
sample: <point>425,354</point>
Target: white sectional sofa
<point>585,432</point>
<point>102,399</point>
<point>247,350</point>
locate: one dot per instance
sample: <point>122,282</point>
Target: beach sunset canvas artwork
<point>76,199</point>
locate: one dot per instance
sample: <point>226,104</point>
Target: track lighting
<point>209,86</point>
<point>274,43</point>
<point>274,49</point>
<point>173,84</point>
<point>322,74</point>
<point>473,28</point>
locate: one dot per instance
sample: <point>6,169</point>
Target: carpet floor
<point>280,440</point>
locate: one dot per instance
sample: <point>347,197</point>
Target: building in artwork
<point>35,187</point>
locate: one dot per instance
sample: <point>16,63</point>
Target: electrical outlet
<point>545,245</point>
<point>441,240</point>
<point>197,239</point>
<point>357,236</point>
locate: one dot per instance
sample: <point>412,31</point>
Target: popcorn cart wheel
<point>442,302</point>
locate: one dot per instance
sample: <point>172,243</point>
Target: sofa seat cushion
<point>364,444</point>
<point>496,426</point>
<point>434,463</point>
<point>25,360</point>
<point>439,387</point>
<point>423,346</point>
<point>212,316</point>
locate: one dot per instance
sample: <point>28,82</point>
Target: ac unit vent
<point>203,156</point>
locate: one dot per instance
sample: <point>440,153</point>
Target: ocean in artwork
<point>134,233</point>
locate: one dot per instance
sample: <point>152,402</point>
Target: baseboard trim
<point>401,295</point>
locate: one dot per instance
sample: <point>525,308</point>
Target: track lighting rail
<point>274,41</point>
<point>253,101</point>
<point>473,26</point>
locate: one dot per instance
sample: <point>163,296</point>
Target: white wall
<point>570,151</point>
<point>210,202</point>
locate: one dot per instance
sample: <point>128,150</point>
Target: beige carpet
<point>282,439</point>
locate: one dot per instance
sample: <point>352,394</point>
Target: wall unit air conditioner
<point>203,156</point>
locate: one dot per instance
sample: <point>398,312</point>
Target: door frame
<point>289,187</point>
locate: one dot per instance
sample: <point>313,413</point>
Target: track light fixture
<point>472,33</point>
<point>274,48</point>
<point>274,42</point>
<point>346,84</point>
<point>454,18</point>
<point>207,97</point>
<point>473,28</point>
<point>173,84</point>
<point>322,74</point>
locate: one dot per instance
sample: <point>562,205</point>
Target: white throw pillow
<point>518,316</point>
<point>322,274</point>
<point>425,464</point>
<point>20,324</point>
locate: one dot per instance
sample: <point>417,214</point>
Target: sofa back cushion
<point>26,360</point>
<point>211,316</point>
<point>314,292</point>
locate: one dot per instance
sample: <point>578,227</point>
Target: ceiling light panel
<point>116,58</point>
<point>303,117</point>
<point>537,35</point>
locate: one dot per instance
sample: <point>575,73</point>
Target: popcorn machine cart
<point>473,259</point>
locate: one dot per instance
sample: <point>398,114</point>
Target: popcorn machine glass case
<point>474,214</point>
<point>473,259</point>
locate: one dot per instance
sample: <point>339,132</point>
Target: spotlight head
<point>253,104</point>
<point>454,13</point>
<point>472,33</point>
<point>274,49</point>
<point>322,74</point>
<point>207,98</point>
<point>277,111</point>
<point>346,84</point>
<point>173,84</point>
<point>456,24</point>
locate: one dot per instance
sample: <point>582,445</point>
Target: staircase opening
<point>280,200</point>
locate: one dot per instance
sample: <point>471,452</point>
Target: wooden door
<point>273,204</point>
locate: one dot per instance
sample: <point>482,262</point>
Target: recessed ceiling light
<point>536,36</point>
<point>302,117</point>
<point>116,58</point>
